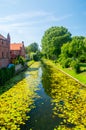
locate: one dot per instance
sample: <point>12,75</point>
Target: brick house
<point>4,50</point>
<point>17,49</point>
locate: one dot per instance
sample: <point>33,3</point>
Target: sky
<point>27,20</point>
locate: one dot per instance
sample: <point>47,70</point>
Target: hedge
<point>6,74</point>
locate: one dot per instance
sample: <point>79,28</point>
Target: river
<point>62,103</point>
<point>46,98</point>
<point>41,117</point>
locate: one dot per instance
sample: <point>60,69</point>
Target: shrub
<point>76,66</point>
<point>6,74</point>
<point>21,60</point>
<point>66,62</point>
<point>82,58</point>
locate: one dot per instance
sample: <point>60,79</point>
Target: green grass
<point>81,76</point>
<point>30,63</point>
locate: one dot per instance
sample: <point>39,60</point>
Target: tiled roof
<point>2,37</point>
<point>15,46</point>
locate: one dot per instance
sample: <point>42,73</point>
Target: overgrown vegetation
<point>18,101</point>
<point>68,97</point>
<point>19,60</point>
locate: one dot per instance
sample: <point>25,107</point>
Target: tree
<point>33,47</point>
<point>53,39</point>
<point>74,50</point>
<point>33,51</point>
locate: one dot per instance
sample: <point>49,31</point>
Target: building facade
<point>4,51</point>
<point>17,49</point>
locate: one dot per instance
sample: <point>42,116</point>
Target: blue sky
<point>27,20</point>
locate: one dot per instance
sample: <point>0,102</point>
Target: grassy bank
<point>81,76</point>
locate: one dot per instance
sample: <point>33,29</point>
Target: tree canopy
<point>53,39</point>
<point>33,47</point>
<point>33,51</point>
<point>74,50</point>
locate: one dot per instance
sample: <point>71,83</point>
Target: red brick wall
<point>4,52</point>
<point>15,53</point>
<point>22,52</point>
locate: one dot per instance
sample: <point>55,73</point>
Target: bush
<point>76,66</point>
<point>21,60</point>
<point>82,58</point>
<point>6,74</point>
<point>66,62</point>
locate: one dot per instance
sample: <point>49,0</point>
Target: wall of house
<point>14,53</point>
<point>4,52</point>
<point>22,52</point>
<point>19,52</point>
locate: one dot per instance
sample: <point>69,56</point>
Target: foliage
<point>6,74</point>
<point>33,47</point>
<point>30,63</point>
<point>72,53</point>
<point>52,41</point>
<point>80,77</point>
<point>35,56</point>
<point>68,97</point>
<point>18,101</point>
<point>65,62</point>
<point>76,49</point>
<point>76,66</point>
<point>33,51</point>
<point>19,60</point>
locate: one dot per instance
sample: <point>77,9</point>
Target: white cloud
<point>29,25</point>
<point>23,16</point>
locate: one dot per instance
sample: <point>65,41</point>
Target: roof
<point>2,37</point>
<point>15,46</point>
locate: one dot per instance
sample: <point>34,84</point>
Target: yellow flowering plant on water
<point>18,100</point>
<point>68,97</point>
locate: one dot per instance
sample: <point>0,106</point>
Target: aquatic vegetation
<point>18,101</point>
<point>68,96</point>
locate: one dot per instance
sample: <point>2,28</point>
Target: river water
<point>61,103</point>
<point>51,99</point>
<point>41,117</point>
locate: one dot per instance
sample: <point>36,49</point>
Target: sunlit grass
<point>17,101</point>
<point>81,76</point>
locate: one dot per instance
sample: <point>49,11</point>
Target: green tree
<point>33,47</point>
<point>33,51</point>
<point>53,39</point>
<point>74,50</point>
